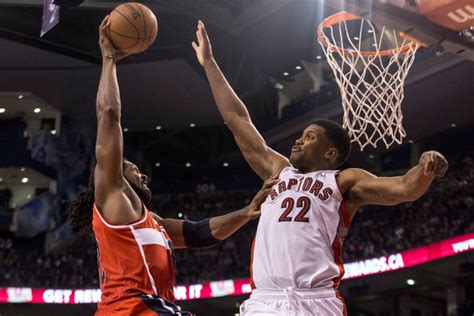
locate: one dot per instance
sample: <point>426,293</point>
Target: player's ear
<point>331,154</point>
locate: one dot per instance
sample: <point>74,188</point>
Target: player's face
<point>310,148</point>
<point>137,180</point>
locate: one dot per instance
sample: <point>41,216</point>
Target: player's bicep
<point>262,159</point>
<point>370,189</point>
<point>174,228</point>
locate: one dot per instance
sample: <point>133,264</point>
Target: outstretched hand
<point>106,47</point>
<point>203,48</point>
<point>259,198</point>
<point>433,162</point>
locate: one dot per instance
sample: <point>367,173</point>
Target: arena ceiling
<point>252,39</point>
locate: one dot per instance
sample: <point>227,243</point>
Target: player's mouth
<point>295,148</point>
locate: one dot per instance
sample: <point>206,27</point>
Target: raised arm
<point>265,161</point>
<point>108,174</point>
<point>209,232</point>
<point>362,188</point>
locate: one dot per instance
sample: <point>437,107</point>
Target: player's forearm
<point>108,95</point>
<point>230,106</point>
<point>416,182</point>
<point>224,226</point>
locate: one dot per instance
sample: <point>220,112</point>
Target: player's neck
<point>316,167</point>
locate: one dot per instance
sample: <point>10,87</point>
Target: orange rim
<point>346,16</point>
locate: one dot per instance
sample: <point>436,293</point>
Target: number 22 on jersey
<point>303,204</point>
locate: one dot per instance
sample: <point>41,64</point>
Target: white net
<point>370,78</point>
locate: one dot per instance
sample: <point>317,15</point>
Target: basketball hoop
<point>370,74</point>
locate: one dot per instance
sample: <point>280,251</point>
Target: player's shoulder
<point>354,173</point>
<point>347,178</point>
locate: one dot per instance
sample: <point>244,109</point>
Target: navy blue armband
<point>198,234</point>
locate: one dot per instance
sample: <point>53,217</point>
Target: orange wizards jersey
<point>136,266</point>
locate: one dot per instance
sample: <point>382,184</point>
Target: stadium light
<point>2,110</point>
<point>411,282</point>
<point>37,110</point>
<point>25,180</point>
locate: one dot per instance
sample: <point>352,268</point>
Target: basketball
<point>133,28</point>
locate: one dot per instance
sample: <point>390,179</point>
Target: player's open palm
<point>106,47</point>
<point>433,161</point>
<point>259,198</point>
<point>203,48</point>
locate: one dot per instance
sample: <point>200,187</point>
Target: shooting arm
<point>264,161</point>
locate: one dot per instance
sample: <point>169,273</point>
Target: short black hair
<point>338,137</point>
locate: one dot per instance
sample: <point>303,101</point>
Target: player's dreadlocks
<point>80,209</point>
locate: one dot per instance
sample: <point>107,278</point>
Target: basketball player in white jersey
<point>296,256</point>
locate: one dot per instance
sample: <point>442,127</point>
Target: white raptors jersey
<point>300,233</point>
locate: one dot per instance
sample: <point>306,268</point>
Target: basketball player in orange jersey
<point>296,255</point>
<point>135,246</point>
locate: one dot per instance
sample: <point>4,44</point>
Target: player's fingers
<point>195,46</point>
<point>105,22</point>
<point>204,33</point>
<point>262,194</point>
<point>436,163</point>
<point>270,182</point>
<point>202,28</point>
<point>441,168</point>
<point>428,166</point>
<point>199,35</point>
<point>443,171</point>
<point>433,164</point>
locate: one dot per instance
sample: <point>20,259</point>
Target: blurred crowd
<point>446,210</point>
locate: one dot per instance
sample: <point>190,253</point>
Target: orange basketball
<point>133,27</point>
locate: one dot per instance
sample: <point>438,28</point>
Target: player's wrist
<point>209,62</point>
<point>107,61</point>
<point>247,213</point>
